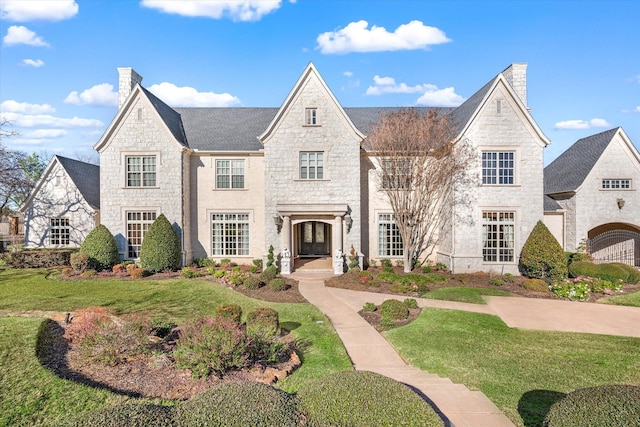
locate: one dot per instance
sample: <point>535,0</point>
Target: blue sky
<point>58,59</point>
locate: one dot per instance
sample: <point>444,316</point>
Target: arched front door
<point>314,238</point>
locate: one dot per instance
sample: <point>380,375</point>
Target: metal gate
<point>616,246</point>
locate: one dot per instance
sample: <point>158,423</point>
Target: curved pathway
<point>369,351</point>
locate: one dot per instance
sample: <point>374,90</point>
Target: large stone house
<point>234,181</point>
<point>591,199</point>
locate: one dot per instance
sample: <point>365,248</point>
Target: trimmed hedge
<point>602,406</point>
<point>263,322</point>
<point>361,398</point>
<point>542,257</point>
<point>610,271</point>
<point>161,249</point>
<point>127,415</point>
<point>38,259</point>
<point>394,310</point>
<point>240,404</point>
<point>101,248</point>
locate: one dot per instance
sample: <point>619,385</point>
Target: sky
<point>59,59</point>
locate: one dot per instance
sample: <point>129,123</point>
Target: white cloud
<point>431,95</point>
<point>39,120</point>
<point>44,134</point>
<point>189,97</point>
<point>348,74</point>
<point>356,37</point>
<point>33,10</point>
<point>637,109</point>
<point>582,124</point>
<point>101,94</point>
<point>236,10</point>
<point>17,34</point>
<point>33,62</point>
<point>12,106</point>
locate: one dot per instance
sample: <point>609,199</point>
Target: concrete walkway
<point>369,351</point>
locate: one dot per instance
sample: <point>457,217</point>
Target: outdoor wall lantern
<point>620,203</point>
<point>348,221</point>
<point>277,219</point>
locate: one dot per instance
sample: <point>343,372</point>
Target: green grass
<point>523,372</point>
<point>632,300</point>
<point>31,395</point>
<point>464,294</point>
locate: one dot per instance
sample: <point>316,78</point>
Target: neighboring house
<point>234,181</point>
<point>64,205</point>
<point>592,197</point>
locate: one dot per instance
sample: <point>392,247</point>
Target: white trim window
<point>498,167</point>
<point>230,234</point>
<point>311,165</point>
<point>138,224</point>
<point>616,184</point>
<point>396,174</point>
<point>141,171</point>
<point>311,116</point>
<point>389,238</point>
<point>230,174</point>
<point>59,232</point>
<point>498,239</point>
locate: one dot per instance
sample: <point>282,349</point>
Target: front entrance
<point>314,238</point>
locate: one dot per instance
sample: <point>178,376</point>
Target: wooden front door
<point>314,238</point>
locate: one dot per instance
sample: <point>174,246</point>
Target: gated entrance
<point>616,246</point>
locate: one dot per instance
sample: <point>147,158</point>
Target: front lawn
<point>464,294</point>
<point>523,372</point>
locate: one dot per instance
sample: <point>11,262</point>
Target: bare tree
<point>420,165</point>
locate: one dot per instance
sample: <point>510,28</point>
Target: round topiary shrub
<point>231,312</point>
<point>101,248</point>
<point>542,256</point>
<point>161,249</point>
<point>79,261</point>
<point>240,404</point>
<point>263,322</point>
<point>602,406</point>
<point>127,415</point>
<point>392,309</point>
<point>361,398</point>
<point>252,283</point>
<point>269,274</point>
<point>278,285</point>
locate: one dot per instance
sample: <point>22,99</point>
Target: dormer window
<point>311,116</point>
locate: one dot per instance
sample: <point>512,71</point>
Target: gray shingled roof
<point>463,113</point>
<point>169,116</point>
<point>568,171</point>
<point>86,177</point>
<point>550,204</point>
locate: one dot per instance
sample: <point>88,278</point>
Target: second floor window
<point>613,184</point>
<point>498,167</point>
<point>141,171</point>
<point>396,174</point>
<point>311,116</point>
<point>311,165</point>
<point>229,173</point>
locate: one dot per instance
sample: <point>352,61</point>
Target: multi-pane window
<point>396,174</point>
<point>138,224</point>
<point>230,234</point>
<point>141,171</point>
<point>497,167</point>
<point>612,184</point>
<point>229,173</point>
<point>389,238</point>
<point>311,116</point>
<point>311,165</point>
<point>498,236</point>
<point>59,231</point>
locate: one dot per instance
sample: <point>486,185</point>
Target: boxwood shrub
<point>542,257</point>
<point>240,404</point>
<point>126,415</point>
<point>602,406</point>
<point>101,248</point>
<point>161,249</point>
<point>394,310</point>
<point>231,312</point>
<point>609,271</point>
<point>361,398</point>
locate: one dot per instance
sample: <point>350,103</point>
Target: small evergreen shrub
<point>601,406</point>
<point>426,269</point>
<point>240,404</point>
<point>401,288</point>
<point>362,398</point>
<point>394,310</point>
<point>79,261</point>
<point>212,345</point>
<point>231,312</point>
<point>388,269</point>
<point>611,271</point>
<point>278,285</point>
<point>190,273</point>
<point>101,248</point>
<point>161,248</point>
<point>411,303</point>
<point>204,262</point>
<point>508,278</point>
<point>252,283</point>
<point>369,307</point>
<point>442,267</point>
<point>386,262</point>
<point>542,257</point>
<point>218,274</point>
<point>535,285</point>
<point>263,322</point>
<point>270,258</point>
<point>88,273</point>
<point>270,273</point>
<point>125,415</point>
<point>139,273</point>
<point>496,282</point>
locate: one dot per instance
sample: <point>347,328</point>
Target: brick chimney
<point>516,75</point>
<point>127,80</point>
